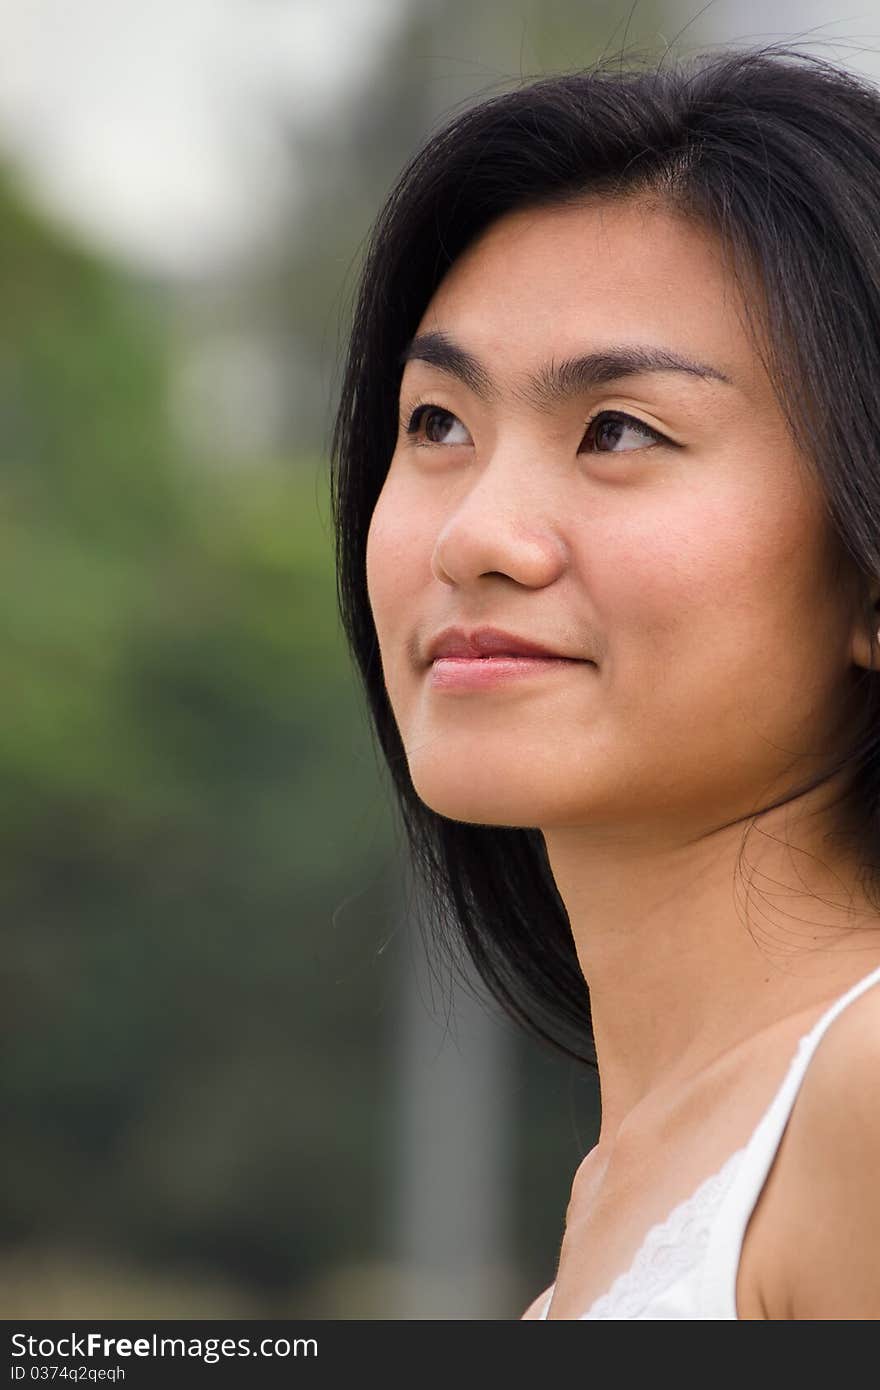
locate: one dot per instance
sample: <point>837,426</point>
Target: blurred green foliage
<point>198,872</point>
<point>193,835</point>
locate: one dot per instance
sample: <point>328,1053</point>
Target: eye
<point>609,425</point>
<point>438,423</point>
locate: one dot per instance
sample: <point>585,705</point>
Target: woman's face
<point>679,557</point>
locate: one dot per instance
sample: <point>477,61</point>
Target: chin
<point>465,797</point>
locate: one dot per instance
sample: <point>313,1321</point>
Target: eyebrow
<point>557,381</point>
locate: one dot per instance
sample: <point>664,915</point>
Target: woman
<point>607,495</point>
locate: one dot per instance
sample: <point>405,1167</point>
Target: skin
<point>717,650</point>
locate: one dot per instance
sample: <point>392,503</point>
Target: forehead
<point>549,282</point>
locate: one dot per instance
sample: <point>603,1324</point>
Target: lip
<point>483,642</point>
<point>488,672</point>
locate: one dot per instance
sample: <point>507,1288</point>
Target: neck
<point>691,947</point>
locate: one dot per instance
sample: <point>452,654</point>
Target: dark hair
<point>779,153</point>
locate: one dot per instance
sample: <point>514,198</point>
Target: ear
<point>866,630</point>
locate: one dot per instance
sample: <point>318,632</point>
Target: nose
<point>500,527</point>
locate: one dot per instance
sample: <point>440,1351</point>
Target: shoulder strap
<point>718,1291</point>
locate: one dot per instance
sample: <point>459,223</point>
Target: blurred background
<point>231,1084</point>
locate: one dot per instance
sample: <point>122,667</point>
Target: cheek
<point>398,557</point>
<point>712,594</point>
<point>667,568</point>
<point>384,553</point>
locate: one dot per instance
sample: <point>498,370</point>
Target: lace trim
<point>677,1244</point>
<point>669,1250</point>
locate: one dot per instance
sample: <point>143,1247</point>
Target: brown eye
<point>610,426</point>
<point>437,425</point>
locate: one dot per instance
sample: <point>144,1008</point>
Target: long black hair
<point>779,153</point>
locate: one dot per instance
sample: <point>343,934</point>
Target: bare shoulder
<point>535,1308</point>
<point>826,1196</point>
<point>837,1109</point>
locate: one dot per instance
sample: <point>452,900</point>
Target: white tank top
<point>686,1266</point>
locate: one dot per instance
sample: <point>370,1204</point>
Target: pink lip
<point>487,642</point>
<point>486,673</point>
